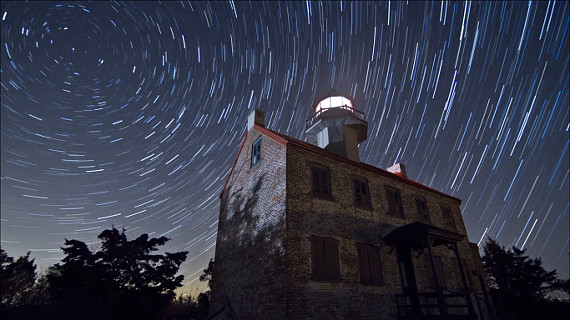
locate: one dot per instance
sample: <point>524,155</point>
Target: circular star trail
<point>130,114</point>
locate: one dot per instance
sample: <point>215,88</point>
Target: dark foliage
<point>124,280</point>
<point>203,302</point>
<point>17,279</point>
<point>563,285</point>
<point>520,287</point>
<point>189,307</point>
<point>203,305</point>
<point>207,273</point>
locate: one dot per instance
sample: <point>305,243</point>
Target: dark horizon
<point>131,114</point>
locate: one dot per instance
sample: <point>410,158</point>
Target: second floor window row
<point>321,187</point>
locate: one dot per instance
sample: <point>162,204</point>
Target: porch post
<point>440,301</point>
<point>467,293</point>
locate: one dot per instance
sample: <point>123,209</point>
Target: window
<point>447,216</point>
<point>394,202</point>
<point>361,193</point>
<point>324,259</point>
<point>256,152</point>
<point>421,207</point>
<point>321,181</point>
<point>370,266</point>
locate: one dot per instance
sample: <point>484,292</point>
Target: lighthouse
<point>337,127</point>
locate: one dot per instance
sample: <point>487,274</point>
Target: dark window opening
<point>447,216</point>
<point>394,202</point>
<point>256,152</point>
<point>422,209</point>
<point>325,259</point>
<point>370,265</point>
<point>321,181</point>
<point>361,193</point>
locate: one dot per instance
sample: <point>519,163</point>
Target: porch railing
<point>454,304</point>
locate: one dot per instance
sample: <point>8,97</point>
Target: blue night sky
<point>131,114</point>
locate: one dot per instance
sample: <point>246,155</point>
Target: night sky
<point>131,114</point>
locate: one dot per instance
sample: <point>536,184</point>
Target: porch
<point>455,306</point>
<point>439,303</point>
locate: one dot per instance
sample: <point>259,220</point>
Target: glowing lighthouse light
<point>334,102</point>
<point>337,127</point>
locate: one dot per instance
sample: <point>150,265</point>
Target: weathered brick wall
<point>249,260</point>
<point>268,215</point>
<point>340,219</point>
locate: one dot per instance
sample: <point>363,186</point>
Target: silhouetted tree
<point>183,304</point>
<point>17,278</point>
<point>203,301</point>
<point>203,305</point>
<point>195,308</point>
<point>207,273</point>
<point>563,285</point>
<point>519,285</point>
<point>124,280</point>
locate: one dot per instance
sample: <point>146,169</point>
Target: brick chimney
<point>256,117</point>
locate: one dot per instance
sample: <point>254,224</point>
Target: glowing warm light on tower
<point>334,102</point>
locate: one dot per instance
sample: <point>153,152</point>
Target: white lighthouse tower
<point>337,127</point>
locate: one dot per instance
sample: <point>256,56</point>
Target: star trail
<point>131,114</point>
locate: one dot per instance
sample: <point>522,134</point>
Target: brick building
<point>307,231</point>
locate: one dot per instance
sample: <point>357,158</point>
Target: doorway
<point>408,278</point>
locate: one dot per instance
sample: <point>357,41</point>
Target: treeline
<point>124,279</point>
<point>520,287</point>
<point>128,280</point>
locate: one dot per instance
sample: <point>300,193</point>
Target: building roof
<point>285,140</point>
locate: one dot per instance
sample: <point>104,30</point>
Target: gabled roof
<point>234,164</point>
<point>284,140</point>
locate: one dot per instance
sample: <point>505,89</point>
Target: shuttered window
<point>369,264</point>
<point>324,259</point>
<point>361,193</point>
<point>321,181</point>
<point>256,152</point>
<point>447,216</point>
<point>394,202</point>
<point>421,207</point>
